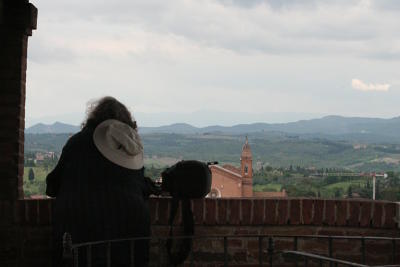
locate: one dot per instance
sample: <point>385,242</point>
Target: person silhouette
<point>99,187</point>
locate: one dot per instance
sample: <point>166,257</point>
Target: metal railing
<point>307,257</point>
<point>267,253</point>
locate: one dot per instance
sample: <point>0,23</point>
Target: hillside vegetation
<point>269,149</point>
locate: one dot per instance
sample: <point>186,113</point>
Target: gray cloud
<point>387,5</point>
<point>276,4</point>
<point>42,53</point>
<point>272,56</point>
<point>348,28</point>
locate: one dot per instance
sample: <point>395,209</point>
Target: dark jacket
<point>98,200</point>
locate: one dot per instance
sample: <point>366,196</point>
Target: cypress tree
<point>31,175</point>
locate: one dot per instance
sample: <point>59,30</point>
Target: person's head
<point>107,108</point>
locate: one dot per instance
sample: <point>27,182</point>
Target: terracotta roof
<point>231,168</point>
<point>226,170</point>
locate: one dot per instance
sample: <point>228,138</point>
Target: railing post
<point>270,249</point>
<point>305,261</point>
<point>67,250</point>
<point>295,248</point>
<point>260,252</point>
<point>225,251</point>
<point>89,256</point>
<point>191,259</point>
<point>108,254</point>
<point>330,249</point>
<point>76,257</point>
<point>159,252</point>
<point>132,252</point>
<point>363,260</point>
<point>394,251</point>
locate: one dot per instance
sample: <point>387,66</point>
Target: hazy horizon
<point>195,118</point>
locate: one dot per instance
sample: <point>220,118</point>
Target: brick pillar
<point>17,20</point>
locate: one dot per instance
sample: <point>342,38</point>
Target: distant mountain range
<point>361,144</point>
<point>55,128</point>
<point>334,126</point>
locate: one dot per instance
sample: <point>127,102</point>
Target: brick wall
<point>25,228</point>
<point>17,19</point>
<point>226,183</point>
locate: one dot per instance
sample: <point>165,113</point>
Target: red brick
<point>8,187</point>
<point>341,212</point>
<point>246,208</point>
<point>9,184</point>
<point>283,211</point>
<point>390,215</point>
<point>318,217</point>
<point>6,212</point>
<point>354,213</point>
<point>331,231</point>
<point>153,206</point>
<point>203,244</point>
<point>240,231</point>
<point>11,74</point>
<point>307,210</point>
<point>294,211</point>
<point>45,211</point>
<point>11,112</point>
<point>377,215</point>
<point>234,211</point>
<point>163,210</point>
<point>10,136</point>
<point>19,212</point>
<point>31,211</point>
<point>378,247</point>
<point>348,246</point>
<point>253,244</point>
<point>270,211</point>
<point>222,208</point>
<point>366,208</point>
<point>235,243</point>
<point>282,244</point>
<point>329,212</point>
<point>178,215</point>
<point>318,246</point>
<point>240,256</point>
<point>14,91</point>
<point>13,125</point>
<point>258,211</point>
<point>210,211</point>
<point>198,210</point>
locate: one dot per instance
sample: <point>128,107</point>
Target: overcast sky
<point>248,60</point>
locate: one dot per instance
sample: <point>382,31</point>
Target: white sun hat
<point>119,143</point>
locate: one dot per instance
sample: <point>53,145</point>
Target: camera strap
<point>185,246</point>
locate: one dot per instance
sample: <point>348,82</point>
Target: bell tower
<point>246,164</point>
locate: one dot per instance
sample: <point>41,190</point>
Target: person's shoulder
<point>78,139</point>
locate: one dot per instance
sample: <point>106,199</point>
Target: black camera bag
<point>187,179</point>
<point>184,181</point>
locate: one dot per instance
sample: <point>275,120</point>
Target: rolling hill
<point>354,129</point>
